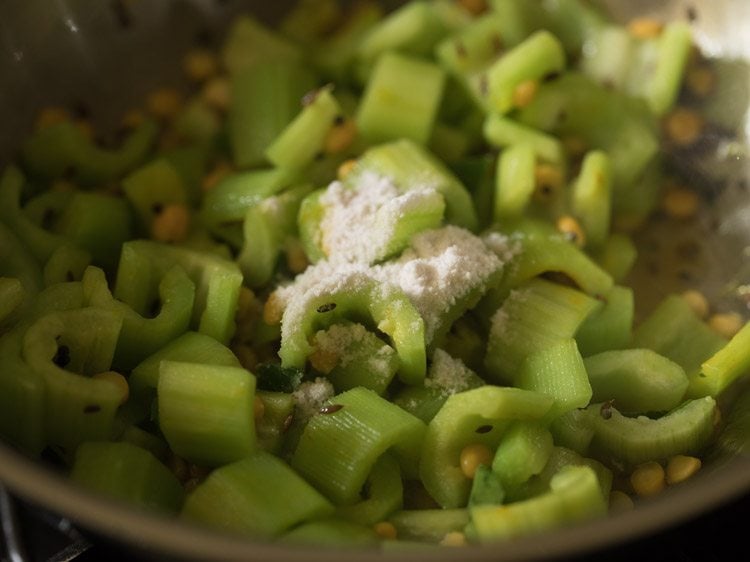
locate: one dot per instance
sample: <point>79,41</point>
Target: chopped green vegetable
<point>275,308</point>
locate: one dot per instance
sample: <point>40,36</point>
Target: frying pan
<point>105,55</point>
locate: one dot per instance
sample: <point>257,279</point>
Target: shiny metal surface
<point>65,51</point>
<point>106,54</point>
<point>14,550</point>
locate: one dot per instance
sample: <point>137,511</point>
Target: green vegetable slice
<point>480,415</point>
<point>237,498</point>
<point>341,444</point>
<point>206,411</point>
<point>128,473</point>
<point>685,430</point>
<point>574,496</point>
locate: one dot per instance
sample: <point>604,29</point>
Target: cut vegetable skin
<point>25,402</point>
<point>592,198</point>
<point>234,195</point>
<point>734,438</point>
<point>575,429</point>
<point>489,408</point>
<point>501,131</point>
<point>609,59</point>
<point>674,331</point>
<point>557,371</point>
<point>450,143</point>
<point>77,408</point>
<point>428,525</point>
<point>341,444</point>
<point>22,399</point>
<point>206,411</point>
<point>139,336</point>
<point>617,256</point>
<point>684,431</point>
<point>446,376</point>
<point>64,148</point>
<point>129,473</point>
<point>152,443</point>
<point>522,453</point>
<point>390,310</point>
<point>408,165</point>
<point>610,326</point>
<point>539,55</point>
<point>217,282</point>
<point>191,347</point>
<point>153,187</point>
<point>16,261</point>
<point>336,54</point>
<point>473,46</point>
<point>99,224</point>
<point>303,139</point>
<point>674,47</point>
<point>238,498</point>
<point>266,96</point>
<point>532,254</point>
<point>559,458</point>
<point>307,20</point>
<point>574,22</point>
<point>533,317</point>
<point>267,226</point>
<point>355,357</point>
<point>385,494</point>
<point>278,407</point>
<point>250,43</point>
<point>610,121</point>
<point>638,381</point>
<point>413,29</point>
<point>724,367</point>
<point>12,296</point>
<point>67,263</point>
<point>36,241</point>
<point>486,488</point>
<point>401,99</point>
<point>309,217</point>
<point>515,181</point>
<point>574,496</point>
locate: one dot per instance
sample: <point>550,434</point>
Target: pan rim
<point>170,536</point>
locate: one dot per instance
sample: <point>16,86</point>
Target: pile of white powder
<point>360,221</point>
<point>310,396</point>
<point>440,267</point>
<point>447,374</point>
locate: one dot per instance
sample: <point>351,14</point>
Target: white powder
<point>339,342</point>
<point>318,281</point>
<point>323,272</point>
<point>310,397</point>
<point>359,222</point>
<point>500,320</point>
<point>441,267</point>
<point>447,374</point>
<point>338,339</point>
<point>272,205</point>
<point>505,247</point>
<point>379,364</point>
